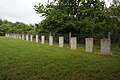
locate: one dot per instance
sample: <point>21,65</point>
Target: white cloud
<point>20,10</point>
<point>108,2</point>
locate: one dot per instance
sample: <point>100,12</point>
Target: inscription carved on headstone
<point>89,44</point>
<point>22,36</point>
<point>61,41</point>
<point>105,46</point>
<point>73,43</point>
<point>19,36</point>
<point>50,40</point>
<point>37,38</point>
<point>31,38</point>
<point>27,37</point>
<point>42,39</point>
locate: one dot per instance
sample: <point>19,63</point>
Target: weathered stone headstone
<point>61,41</point>
<point>19,36</point>
<point>73,42</point>
<point>42,39</point>
<point>50,40</point>
<point>14,36</point>
<point>22,36</point>
<point>6,35</point>
<point>37,38</point>
<point>11,35</point>
<point>105,46</point>
<point>89,44</point>
<point>31,38</point>
<point>70,39</point>
<point>27,37</point>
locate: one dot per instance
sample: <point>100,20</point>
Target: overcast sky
<point>20,10</point>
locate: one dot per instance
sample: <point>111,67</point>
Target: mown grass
<point>21,60</point>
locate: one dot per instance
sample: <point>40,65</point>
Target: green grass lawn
<point>21,60</point>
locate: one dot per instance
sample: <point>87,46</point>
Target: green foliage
<point>18,27</point>
<point>71,16</point>
<point>5,26</point>
<point>114,12</point>
<point>78,16</point>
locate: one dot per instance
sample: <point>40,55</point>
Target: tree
<point>64,16</point>
<point>18,27</point>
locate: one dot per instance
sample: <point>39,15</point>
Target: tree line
<point>79,16</point>
<point>17,27</point>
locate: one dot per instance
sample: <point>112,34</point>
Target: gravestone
<point>10,35</point>
<point>19,36</point>
<point>13,35</point>
<point>27,37</point>
<point>105,46</point>
<point>31,38</point>
<point>6,35</point>
<point>42,39</point>
<point>70,39</point>
<point>50,40</point>
<point>89,44</point>
<point>61,41</point>
<point>16,36</point>
<point>22,36</point>
<point>73,43</point>
<point>37,38</point>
